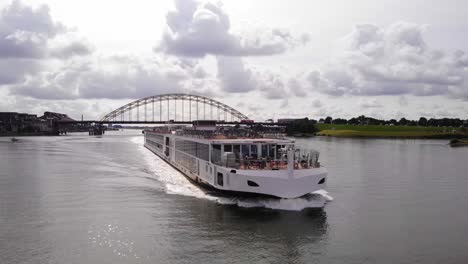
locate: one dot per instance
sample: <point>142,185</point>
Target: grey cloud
<point>240,104</point>
<point>233,75</point>
<point>391,61</point>
<point>24,32</point>
<point>403,101</point>
<point>461,58</point>
<point>26,39</point>
<point>14,70</point>
<point>255,108</point>
<point>366,38</point>
<point>370,104</point>
<point>296,87</point>
<point>272,86</point>
<point>406,35</point>
<point>284,103</point>
<point>331,83</point>
<point>317,103</point>
<point>72,49</point>
<point>133,81</point>
<point>24,18</point>
<point>196,29</point>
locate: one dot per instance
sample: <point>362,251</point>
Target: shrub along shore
<point>389,131</point>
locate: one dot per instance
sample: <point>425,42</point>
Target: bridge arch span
<point>176,107</point>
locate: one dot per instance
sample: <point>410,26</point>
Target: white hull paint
<point>280,183</point>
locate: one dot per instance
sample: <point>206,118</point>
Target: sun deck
<point>222,133</point>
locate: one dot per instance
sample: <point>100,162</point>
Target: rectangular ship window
<point>227,148</point>
<point>245,151</point>
<point>220,179</point>
<point>236,150</point>
<point>253,151</point>
<point>216,154</point>
<point>264,150</point>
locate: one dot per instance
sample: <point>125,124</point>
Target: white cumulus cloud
<point>196,29</point>
<point>392,61</point>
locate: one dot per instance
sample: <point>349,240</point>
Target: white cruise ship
<point>238,160</point>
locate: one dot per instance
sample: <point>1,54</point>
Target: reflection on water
<point>81,199</point>
<point>202,230</point>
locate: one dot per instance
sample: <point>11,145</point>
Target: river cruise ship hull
<point>244,164</point>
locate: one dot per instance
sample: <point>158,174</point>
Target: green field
<point>389,131</point>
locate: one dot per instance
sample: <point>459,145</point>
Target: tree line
<point>363,120</point>
<point>307,125</point>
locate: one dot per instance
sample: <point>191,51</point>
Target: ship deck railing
<point>230,134</point>
<point>269,164</point>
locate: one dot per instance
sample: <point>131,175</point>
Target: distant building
<point>56,117</point>
<point>12,123</point>
<point>17,122</point>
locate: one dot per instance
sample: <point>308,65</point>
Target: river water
<point>82,199</point>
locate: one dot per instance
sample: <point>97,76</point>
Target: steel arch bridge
<point>191,107</point>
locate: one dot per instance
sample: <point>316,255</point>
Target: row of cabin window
<point>153,144</point>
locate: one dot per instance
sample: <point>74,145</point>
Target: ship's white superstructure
<point>240,162</point>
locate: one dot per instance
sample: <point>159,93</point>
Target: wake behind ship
<point>238,159</point>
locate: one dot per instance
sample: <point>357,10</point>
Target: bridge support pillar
<point>96,130</point>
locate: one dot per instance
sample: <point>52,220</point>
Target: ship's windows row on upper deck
<point>196,149</point>
<point>246,151</point>
<point>187,161</point>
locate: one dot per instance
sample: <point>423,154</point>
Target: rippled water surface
<point>81,199</point>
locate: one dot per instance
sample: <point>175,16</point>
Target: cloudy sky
<point>266,58</point>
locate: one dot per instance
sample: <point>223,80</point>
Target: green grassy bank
<point>390,131</point>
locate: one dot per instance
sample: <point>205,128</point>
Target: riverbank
<point>375,131</point>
